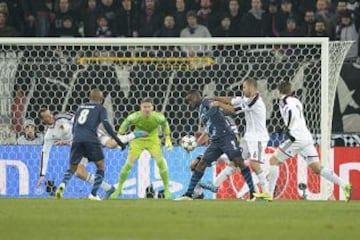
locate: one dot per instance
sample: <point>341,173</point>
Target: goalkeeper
<point>148,120</point>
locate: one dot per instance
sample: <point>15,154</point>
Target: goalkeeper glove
<point>168,143</point>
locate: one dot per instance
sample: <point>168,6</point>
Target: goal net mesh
<point>61,76</point>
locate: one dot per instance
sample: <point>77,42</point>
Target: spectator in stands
<point>29,135</point>
<point>180,14</point>
<point>39,16</point>
<point>169,28</point>
<point>150,19</point>
<point>272,20</point>
<point>68,28</point>
<point>235,14</point>
<point>335,19</point>
<point>194,30</point>
<point>63,11</point>
<point>322,11</point>
<point>291,29</point>
<point>206,15</point>
<point>7,133</point>
<point>253,23</point>
<point>286,11</point>
<point>320,29</point>
<point>15,14</point>
<point>127,20</point>
<point>308,26</point>
<point>224,30</point>
<point>348,32</point>
<point>108,9</point>
<point>103,29</point>
<point>89,18</point>
<point>5,29</point>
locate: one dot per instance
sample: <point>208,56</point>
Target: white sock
<point>104,185</point>
<point>332,177</point>
<point>262,181</point>
<point>273,176</point>
<point>224,174</point>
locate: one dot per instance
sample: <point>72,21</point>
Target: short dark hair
<point>193,92</point>
<point>284,87</point>
<point>147,100</point>
<point>43,109</point>
<point>191,13</point>
<point>252,82</point>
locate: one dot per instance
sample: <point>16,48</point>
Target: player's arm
<point>289,120</point>
<point>226,100</point>
<point>107,126</point>
<point>223,106</point>
<point>126,124</point>
<point>44,160</point>
<point>166,130</point>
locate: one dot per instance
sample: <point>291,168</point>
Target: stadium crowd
<point>336,19</point>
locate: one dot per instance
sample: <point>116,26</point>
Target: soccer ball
<point>188,142</point>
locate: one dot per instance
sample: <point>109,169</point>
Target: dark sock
<point>99,176</point>
<point>67,176</point>
<point>248,178</point>
<point>195,178</point>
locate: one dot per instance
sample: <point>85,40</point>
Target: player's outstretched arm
<point>224,106</point>
<point>166,129</point>
<point>45,153</point>
<point>226,100</point>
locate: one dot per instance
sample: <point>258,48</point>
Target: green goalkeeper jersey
<point>149,123</point>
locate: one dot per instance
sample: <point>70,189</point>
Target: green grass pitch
<point>40,219</point>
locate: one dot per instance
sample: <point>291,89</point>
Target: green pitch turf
<point>44,219</point>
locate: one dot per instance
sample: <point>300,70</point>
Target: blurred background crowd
<point>336,19</point>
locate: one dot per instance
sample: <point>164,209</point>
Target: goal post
<point>59,72</point>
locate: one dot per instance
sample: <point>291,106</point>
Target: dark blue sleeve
<point>105,121</point>
<point>212,110</point>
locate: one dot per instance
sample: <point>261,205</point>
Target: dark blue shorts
<point>92,151</point>
<point>227,144</point>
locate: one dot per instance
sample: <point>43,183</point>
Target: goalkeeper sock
<point>332,177</point>
<point>164,173</point>
<point>124,173</point>
<point>67,176</point>
<point>195,178</point>
<point>91,179</point>
<point>273,176</point>
<point>97,182</point>
<point>262,181</point>
<point>248,178</point>
<point>224,174</point>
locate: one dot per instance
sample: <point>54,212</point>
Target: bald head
<point>96,96</point>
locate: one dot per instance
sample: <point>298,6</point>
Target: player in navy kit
<point>223,140</point>
<point>86,142</point>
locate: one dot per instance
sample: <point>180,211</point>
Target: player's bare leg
<point>329,175</point>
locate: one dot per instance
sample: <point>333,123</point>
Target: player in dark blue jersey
<point>223,140</point>
<point>86,141</point>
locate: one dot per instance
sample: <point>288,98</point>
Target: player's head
<point>193,98</point>
<point>284,88</point>
<point>96,96</point>
<point>146,106</point>
<point>45,116</point>
<point>249,87</point>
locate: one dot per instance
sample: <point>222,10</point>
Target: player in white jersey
<point>300,141</point>
<point>256,135</point>
<point>59,132</point>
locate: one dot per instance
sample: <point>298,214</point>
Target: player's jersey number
<point>83,116</point>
